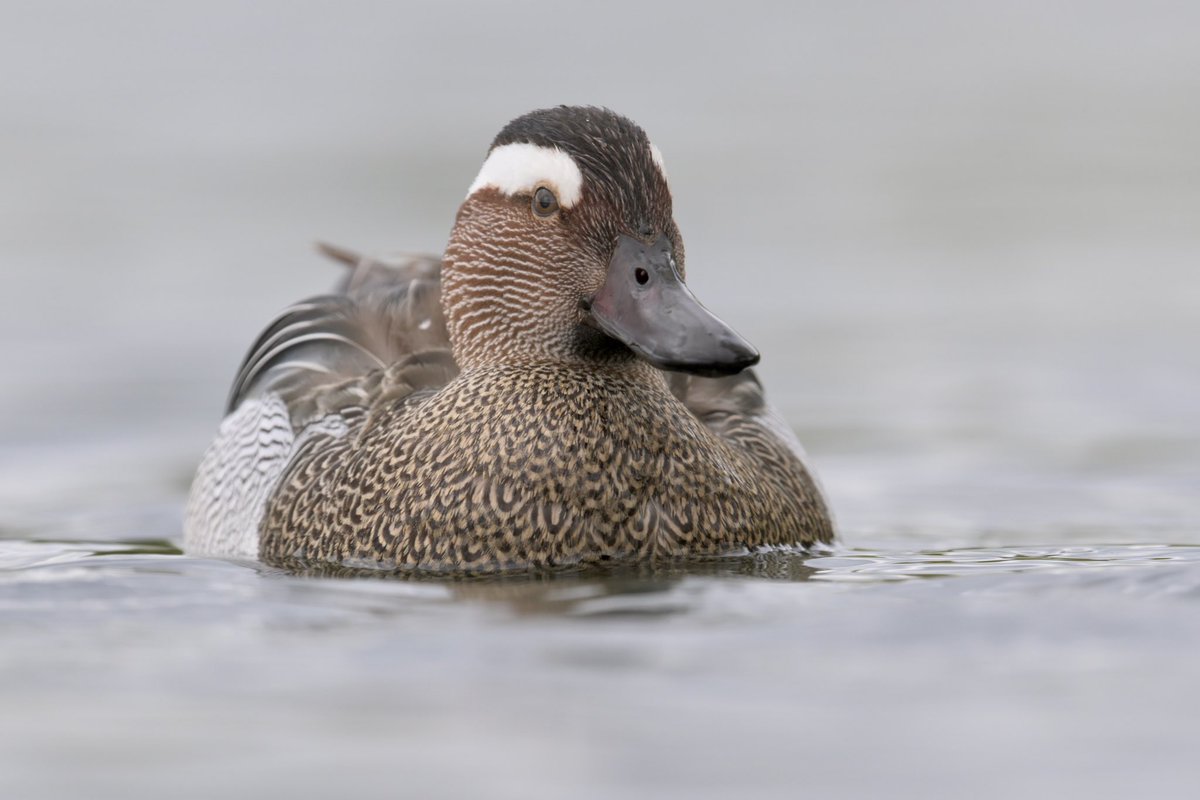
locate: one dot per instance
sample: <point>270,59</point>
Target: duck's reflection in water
<point>607,589</point>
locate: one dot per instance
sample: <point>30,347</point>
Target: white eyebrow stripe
<point>656,156</point>
<point>522,167</point>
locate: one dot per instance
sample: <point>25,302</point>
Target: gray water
<point>965,237</point>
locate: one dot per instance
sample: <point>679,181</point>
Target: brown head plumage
<point>516,280</point>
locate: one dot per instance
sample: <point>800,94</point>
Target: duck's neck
<point>498,307</point>
<point>630,372</point>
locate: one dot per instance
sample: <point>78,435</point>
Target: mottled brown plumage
<point>598,463</point>
<point>471,415</point>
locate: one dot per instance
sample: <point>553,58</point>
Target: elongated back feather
<point>384,311</point>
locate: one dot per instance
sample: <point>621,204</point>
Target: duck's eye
<point>544,202</point>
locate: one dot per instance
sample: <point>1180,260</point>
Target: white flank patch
<point>522,167</point>
<point>656,155</point>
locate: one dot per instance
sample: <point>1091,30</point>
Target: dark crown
<point>612,152</point>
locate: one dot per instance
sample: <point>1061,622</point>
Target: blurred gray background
<point>965,235</point>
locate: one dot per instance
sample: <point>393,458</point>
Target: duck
<point>549,393</point>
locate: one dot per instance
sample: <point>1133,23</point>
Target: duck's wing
<point>723,403</point>
<point>382,329</point>
<point>735,408</point>
<point>316,372</point>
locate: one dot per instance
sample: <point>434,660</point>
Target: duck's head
<point>566,250</point>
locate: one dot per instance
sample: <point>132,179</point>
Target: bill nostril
<point>641,276</point>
